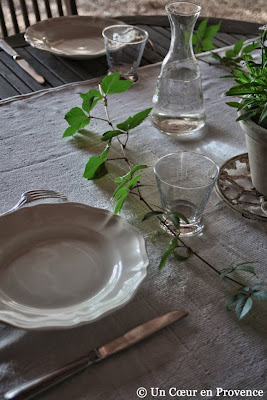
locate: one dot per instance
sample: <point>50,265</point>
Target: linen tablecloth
<point>209,349</point>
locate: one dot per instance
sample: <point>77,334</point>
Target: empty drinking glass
<point>124,46</point>
<point>185,181</point>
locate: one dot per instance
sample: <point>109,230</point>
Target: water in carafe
<point>178,99</point>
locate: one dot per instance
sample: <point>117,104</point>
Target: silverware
<point>30,389</point>
<point>36,194</point>
<point>20,61</point>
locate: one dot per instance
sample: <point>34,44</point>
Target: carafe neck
<point>182,17</point>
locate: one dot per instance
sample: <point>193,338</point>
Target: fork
<point>33,195</point>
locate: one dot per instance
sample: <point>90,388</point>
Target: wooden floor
<point>58,70</point>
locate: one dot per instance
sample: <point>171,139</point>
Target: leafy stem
<point>131,183</point>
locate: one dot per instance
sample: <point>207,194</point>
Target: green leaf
<point>112,84</point>
<point>175,218</point>
<point>181,216</point>
<point>110,134</point>
<point>128,176</point>
<point>133,122</point>
<point>236,91</point>
<point>117,189</point>
<point>152,214</point>
<point>95,168</point>
<point>101,171</point>
<point>125,125</point>
<point>247,114</point>
<point>247,268</point>
<point>225,272</point>
<point>260,295</point>
<point>172,245</point>
<point>230,53</point>
<point>194,39</point>
<point>202,28</point>
<point>240,304</point>
<point>90,99</point>
<point>70,131</point>
<point>138,118</point>
<point>211,31</point>
<point>238,46</point>
<point>120,204</point>
<point>77,119</point>
<point>207,45</point>
<point>263,114</point>
<point>217,56</point>
<point>198,48</point>
<point>120,192</point>
<point>250,47</point>
<point>233,104</point>
<point>244,78</point>
<point>133,181</point>
<point>243,307</point>
<point>231,304</point>
<point>257,286</point>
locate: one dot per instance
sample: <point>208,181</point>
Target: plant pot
<point>256,139</point>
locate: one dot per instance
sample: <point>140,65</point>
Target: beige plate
<point>66,264</point>
<point>78,37</point>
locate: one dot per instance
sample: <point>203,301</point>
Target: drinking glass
<point>124,46</point>
<point>185,181</point>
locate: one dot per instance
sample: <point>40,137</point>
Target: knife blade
<point>30,389</point>
<point>20,61</point>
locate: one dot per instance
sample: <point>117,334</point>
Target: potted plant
<point>251,87</point>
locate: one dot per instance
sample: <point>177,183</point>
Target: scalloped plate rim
<point>19,320</point>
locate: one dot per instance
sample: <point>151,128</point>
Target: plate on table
<point>78,37</point>
<point>66,264</point>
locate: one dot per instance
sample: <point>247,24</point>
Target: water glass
<point>124,46</point>
<point>185,181</point>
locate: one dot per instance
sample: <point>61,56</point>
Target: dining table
<point>58,71</point>
<point>209,354</point>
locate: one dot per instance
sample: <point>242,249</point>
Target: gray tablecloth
<point>209,349</point>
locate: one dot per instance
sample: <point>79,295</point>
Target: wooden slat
<point>50,78</point>
<point>17,40</point>
<point>9,70</point>
<point>160,42</point>
<point>54,69</point>
<point>226,38</point>
<point>71,7</point>
<point>58,70</point>
<point>36,10</point>
<point>2,21</point>
<point>157,20</point>
<point>6,89</point>
<point>13,15</point>
<point>238,37</point>
<point>48,9</point>
<point>227,25</point>
<point>163,31</point>
<point>59,8</point>
<point>18,72</point>
<point>87,69</point>
<point>233,26</point>
<point>24,13</point>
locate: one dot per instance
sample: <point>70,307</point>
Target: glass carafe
<point>178,99</point>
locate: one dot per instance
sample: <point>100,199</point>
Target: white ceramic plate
<point>75,36</point>
<point>62,265</point>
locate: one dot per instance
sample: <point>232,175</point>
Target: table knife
<point>20,61</point>
<point>31,388</point>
